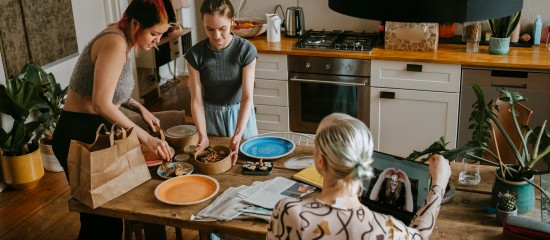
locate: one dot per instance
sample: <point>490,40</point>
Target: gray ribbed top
<point>82,79</point>
<point>221,70</point>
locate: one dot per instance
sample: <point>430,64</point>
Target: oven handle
<point>362,84</point>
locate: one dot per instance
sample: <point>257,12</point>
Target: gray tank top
<point>82,79</point>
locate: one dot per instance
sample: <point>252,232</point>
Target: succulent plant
<point>507,201</point>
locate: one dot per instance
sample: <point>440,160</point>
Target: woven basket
<point>251,31</point>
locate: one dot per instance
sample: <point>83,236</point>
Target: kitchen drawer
<point>272,118</point>
<point>271,92</point>
<point>271,66</point>
<point>416,75</point>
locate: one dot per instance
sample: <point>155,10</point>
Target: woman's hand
<point>203,142</point>
<point>234,146</point>
<point>150,119</point>
<point>160,147</point>
<point>440,170</point>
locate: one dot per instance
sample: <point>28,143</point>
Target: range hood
<point>437,11</point>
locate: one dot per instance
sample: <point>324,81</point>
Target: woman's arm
<point>109,56</point>
<point>246,105</point>
<point>146,115</point>
<point>197,105</point>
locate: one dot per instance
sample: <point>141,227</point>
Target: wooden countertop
<point>535,57</point>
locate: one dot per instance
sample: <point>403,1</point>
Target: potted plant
<point>506,206</point>
<point>55,97</point>
<point>20,158</point>
<point>501,29</point>
<point>516,178</point>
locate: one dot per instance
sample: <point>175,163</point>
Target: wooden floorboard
<point>43,213</point>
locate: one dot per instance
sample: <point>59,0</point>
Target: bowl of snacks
<point>213,159</point>
<point>249,27</point>
<point>174,169</point>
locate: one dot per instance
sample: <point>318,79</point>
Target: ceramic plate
<point>186,169</point>
<point>267,147</point>
<point>299,162</point>
<point>187,190</point>
<point>180,131</point>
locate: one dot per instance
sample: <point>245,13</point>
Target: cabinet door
<point>412,120</point>
<point>416,75</point>
<point>272,118</point>
<point>271,66</point>
<point>271,92</point>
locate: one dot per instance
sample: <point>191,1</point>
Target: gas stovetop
<point>338,40</point>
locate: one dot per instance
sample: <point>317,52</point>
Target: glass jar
<point>471,34</point>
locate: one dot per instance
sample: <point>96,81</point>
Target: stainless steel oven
<point>319,86</point>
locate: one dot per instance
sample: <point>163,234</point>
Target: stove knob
<point>308,65</point>
<point>327,67</point>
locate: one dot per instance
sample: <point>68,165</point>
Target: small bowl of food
<point>249,27</point>
<point>174,169</point>
<point>213,159</point>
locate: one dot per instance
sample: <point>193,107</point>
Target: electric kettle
<point>294,22</point>
<point>273,27</point>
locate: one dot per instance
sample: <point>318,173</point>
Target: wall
<point>319,16</point>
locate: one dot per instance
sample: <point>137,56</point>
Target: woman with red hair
<point>101,82</point>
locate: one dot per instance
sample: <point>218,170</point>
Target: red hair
<point>147,13</point>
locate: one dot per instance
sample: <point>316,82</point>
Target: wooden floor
<point>42,212</point>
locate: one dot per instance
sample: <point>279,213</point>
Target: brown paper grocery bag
<point>109,167</point>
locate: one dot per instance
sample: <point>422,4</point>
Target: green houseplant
<point>20,98</point>
<point>482,119</point>
<point>501,29</point>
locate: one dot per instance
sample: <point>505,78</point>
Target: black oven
<point>319,86</point>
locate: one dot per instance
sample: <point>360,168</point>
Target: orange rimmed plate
<point>187,190</point>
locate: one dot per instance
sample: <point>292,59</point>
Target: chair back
<point>498,143</point>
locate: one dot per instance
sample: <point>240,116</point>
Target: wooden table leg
<point>203,235</point>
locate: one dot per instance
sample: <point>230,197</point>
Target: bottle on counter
<point>537,30</point>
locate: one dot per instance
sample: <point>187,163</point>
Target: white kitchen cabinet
<point>416,75</point>
<point>410,110</point>
<point>271,93</point>
<point>272,118</point>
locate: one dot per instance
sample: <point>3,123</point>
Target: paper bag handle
<point>101,126</point>
<point>113,132</point>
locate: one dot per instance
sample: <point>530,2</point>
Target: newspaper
<point>255,201</point>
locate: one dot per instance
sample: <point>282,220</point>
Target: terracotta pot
<point>23,172</point>
<point>216,167</point>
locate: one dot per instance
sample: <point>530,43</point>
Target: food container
<point>181,136</point>
<point>215,167</point>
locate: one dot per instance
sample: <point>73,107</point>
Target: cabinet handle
<point>388,95</point>
<point>505,85</point>
<point>414,68</point>
<point>512,74</point>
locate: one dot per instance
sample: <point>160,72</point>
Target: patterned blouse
<point>312,219</point>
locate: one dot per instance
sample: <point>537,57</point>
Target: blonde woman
<point>342,153</point>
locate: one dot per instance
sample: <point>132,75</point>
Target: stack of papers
<point>255,201</point>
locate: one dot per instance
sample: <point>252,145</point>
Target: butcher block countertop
<point>535,57</point>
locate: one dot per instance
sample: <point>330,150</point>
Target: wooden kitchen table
<point>462,218</point>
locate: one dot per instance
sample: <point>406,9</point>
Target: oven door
<point>314,96</point>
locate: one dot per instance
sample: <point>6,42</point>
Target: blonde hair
<point>346,144</point>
